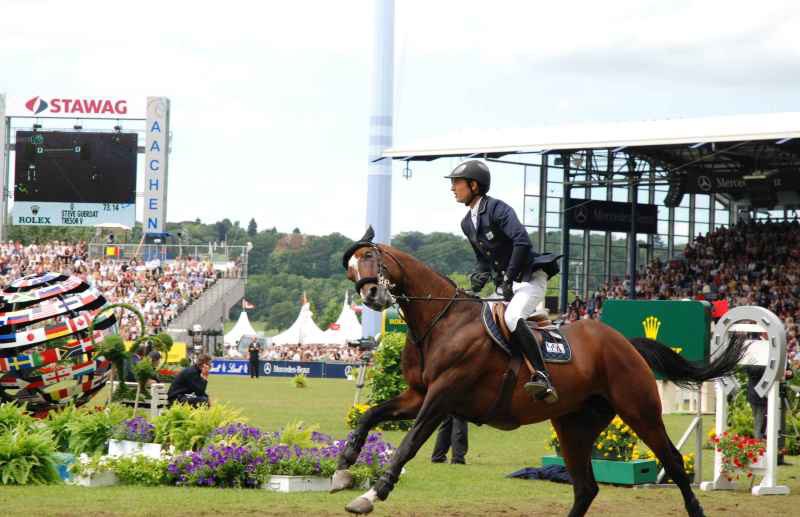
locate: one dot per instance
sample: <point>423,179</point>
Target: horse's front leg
<point>433,411</point>
<point>402,407</point>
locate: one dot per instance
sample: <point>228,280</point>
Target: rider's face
<point>461,190</point>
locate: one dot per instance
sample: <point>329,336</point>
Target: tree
<point>252,227</point>
<point>330,313</point>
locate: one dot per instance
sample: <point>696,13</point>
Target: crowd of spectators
<point>312,353</point>
<point>750,263</point>
<point>160,290</point>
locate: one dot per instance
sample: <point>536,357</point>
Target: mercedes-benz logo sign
<point>348,370</point>
<point>704,183</point>
<point>581,215</point>
<point>267,368</point>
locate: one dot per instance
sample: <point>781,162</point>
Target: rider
<point>502,247</point>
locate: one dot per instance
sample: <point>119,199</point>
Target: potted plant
<point>739,454</point>
<point>613,456</point>
<point>303,469</point>
<point>93,471</point>
<point>134,437</point>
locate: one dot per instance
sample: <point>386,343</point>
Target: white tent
<point>302,332</point>
<point>346,328</point>
<point>242,328</point>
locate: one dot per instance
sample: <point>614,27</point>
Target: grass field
<point>478,488</point>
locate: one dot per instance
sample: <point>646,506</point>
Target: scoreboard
<point>74,178</point>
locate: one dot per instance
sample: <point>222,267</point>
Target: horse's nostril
<point>373,291</point>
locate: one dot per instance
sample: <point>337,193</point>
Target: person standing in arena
<point>502,247</point>
<point>254,353</point>
<point>452,434</point>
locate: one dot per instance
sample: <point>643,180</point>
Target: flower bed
<point>739,454</point>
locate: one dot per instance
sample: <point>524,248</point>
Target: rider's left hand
<point>507,290</point>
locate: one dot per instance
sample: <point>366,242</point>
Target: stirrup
<point>540,388</point>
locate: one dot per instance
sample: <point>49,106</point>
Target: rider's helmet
<point>473,170</point>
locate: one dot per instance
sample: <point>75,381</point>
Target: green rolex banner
<point>392,321</point>
<point>685,326</point>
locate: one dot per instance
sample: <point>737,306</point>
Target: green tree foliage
<point>386,375</point>
<point>252,228</point>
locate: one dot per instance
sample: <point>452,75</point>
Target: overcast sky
<point>270,100</point>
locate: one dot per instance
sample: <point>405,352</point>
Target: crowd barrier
<point>283,368</point>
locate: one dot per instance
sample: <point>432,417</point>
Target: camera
<point>364,344</point>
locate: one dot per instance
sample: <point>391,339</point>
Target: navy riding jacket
<point>500,242</point>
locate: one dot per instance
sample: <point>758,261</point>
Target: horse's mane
<point>439,274</point>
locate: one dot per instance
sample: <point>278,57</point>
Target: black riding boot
<point>539,387</point>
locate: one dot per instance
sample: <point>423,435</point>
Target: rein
<point>381,280</point>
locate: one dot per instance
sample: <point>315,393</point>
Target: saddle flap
<point>554,346</point>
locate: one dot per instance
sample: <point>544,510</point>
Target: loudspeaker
<point>677,187</point>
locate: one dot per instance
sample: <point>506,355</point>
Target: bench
<point>158,397</point>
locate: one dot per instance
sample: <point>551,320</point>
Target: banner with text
<point>156,165</point>
<point>283,368</point>
<point>611,216</point>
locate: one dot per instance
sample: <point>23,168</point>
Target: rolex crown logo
<point>651,326</point>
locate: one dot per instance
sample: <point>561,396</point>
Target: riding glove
<point>478,279</point>
<point>506,289</point>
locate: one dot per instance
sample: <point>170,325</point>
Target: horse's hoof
<point>359,505</point>
<point>342,480</point>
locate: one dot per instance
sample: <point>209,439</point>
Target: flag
<point>112,251</point>
<point>719,308</point>
<point>247,305</point>
<point>334,326</point>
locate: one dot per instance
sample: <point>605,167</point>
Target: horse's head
<point>365,266</point>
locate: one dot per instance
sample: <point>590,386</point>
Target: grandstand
<point>174,289</point>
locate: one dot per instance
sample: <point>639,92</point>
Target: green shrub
<point>13,415</point>
<point>295,434</point>
<point>184,362</point>
<point>300,381</point>
<point>90,433</point>
<point>141,470</point>
<point>386,375</point>
<point>58,422</point>
<point>27,456</point>
<point>190,429</point>
<point>144,371</point>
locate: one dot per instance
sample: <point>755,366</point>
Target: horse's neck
<point>421,281</point>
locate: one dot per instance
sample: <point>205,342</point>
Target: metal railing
<point>217,254</point>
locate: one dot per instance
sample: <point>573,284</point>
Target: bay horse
<point>452,367</point>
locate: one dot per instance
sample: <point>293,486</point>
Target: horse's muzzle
<point>376,297</point>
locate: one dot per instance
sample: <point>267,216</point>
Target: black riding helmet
<point>473,170</point>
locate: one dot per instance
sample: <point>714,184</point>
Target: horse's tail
<point>686,374</point>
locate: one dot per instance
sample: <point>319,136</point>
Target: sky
<point>270,100</point>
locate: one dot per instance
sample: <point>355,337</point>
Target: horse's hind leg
<point>577,432</point>
<point>404,406</point>
<point>643,415</point>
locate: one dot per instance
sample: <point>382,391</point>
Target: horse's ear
<point>369,235</point>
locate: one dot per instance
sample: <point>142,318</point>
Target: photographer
<point>189,386</point>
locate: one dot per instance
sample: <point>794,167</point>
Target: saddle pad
<point>554,346</point>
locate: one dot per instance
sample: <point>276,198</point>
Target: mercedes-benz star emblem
<point>704,183</point>
<point>267,368</point>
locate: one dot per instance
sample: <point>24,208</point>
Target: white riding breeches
<point>526,300</point>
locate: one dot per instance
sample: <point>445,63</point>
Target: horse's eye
<point>368,254</point>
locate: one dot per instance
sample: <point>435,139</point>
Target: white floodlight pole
<point>379,175</point>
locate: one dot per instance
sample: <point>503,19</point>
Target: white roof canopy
<point>497,142</point>
<point>302,332</point>
<point>347,326</point>
<point>242,328</point>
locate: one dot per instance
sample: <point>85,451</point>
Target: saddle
<point>554,346</point>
